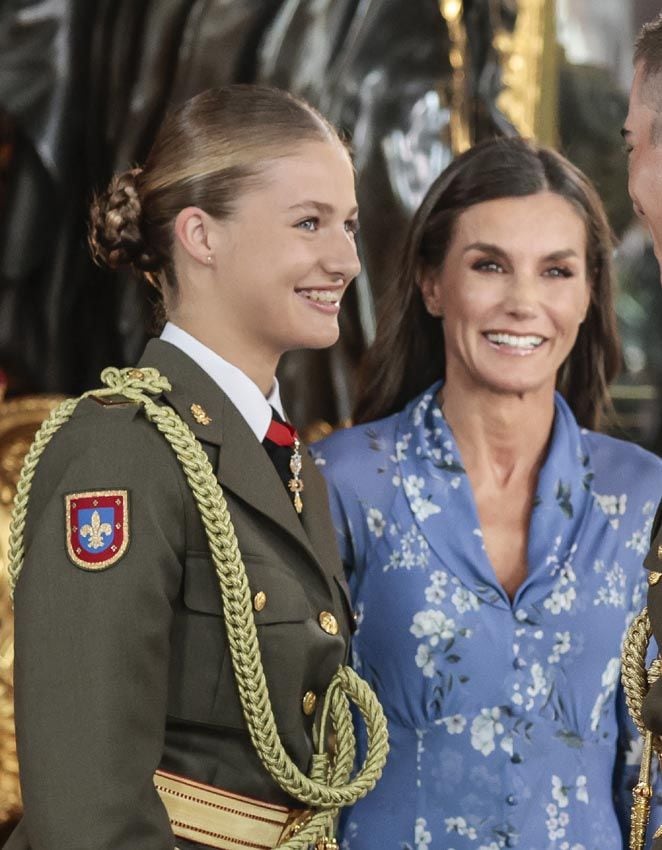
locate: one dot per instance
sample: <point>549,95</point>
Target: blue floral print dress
<point>506,718</point>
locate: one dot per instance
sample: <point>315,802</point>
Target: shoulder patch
<point>97,527</point>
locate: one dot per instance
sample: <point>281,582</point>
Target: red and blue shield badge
<point>97,528</point>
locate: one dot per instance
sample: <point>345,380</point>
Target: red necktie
<point>281,433</point>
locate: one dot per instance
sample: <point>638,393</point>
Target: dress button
<point>511,799</point>
<point>309,702</point>
<point>328,622</point>
<point>259,600</point>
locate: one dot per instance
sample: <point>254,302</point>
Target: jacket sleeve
<point>92,647</point>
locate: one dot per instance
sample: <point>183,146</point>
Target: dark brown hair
<point>205,154</point>
<point>648,52</point>
<point>408,352</point>
<point>648,46</point>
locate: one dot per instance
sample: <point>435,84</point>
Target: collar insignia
<point>200,414</point>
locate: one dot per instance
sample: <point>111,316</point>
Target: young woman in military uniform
<point>129,660</point>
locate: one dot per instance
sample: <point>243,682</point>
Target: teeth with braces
<point>324,295</point>
<point>530,341</point>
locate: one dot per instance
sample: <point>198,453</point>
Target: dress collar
<point>440,497</point>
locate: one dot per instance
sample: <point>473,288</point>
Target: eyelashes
<point>492,266</point>
<point>487,266</point>
<point>560,271</point>
<point>312,224</point>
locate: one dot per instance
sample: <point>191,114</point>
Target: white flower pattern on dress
<point>460,826</point>
<point>564,594</point>
<point>505,714</point>
<point>609,680</point>
<point>612,591</point>
<point>375,521</point>
<point>422,836</point>
<point>562,643</point>
<point>435,592</point>
<point>639,539</point>
<point>413,551</point>
<point>613,506</point>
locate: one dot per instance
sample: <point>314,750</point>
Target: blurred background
<point>84,83</point>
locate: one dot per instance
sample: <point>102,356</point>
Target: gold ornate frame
<point>529,66</point>
<point>19,419</point>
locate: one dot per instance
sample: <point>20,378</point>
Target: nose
<point>341,259</point>
<point>521,296</point>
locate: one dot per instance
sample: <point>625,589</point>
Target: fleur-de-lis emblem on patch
<point>95,530</point>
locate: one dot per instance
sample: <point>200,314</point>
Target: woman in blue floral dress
<point>493,542</point>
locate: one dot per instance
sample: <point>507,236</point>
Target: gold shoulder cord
<point>329,786</point>
<point>636,682</point>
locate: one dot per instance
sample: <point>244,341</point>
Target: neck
<point>502,438</point>
<point>253,361</point>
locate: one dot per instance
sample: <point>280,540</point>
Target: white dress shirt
<point>238,387</point>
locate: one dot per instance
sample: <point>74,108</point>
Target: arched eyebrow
<point>488,248</point>
<point>321,207</point>
<point>561,255</point>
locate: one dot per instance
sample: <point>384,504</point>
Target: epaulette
<point>117,400</point>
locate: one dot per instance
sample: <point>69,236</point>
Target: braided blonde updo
<point>206,153</point>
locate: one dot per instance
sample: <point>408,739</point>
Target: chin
<point>322,339</point>
<point>513,385</point>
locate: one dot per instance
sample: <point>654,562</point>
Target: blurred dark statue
<point>82,87</point>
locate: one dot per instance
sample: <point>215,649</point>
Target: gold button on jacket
<point>309,703</point>
<point>328,622</point>
<point>259,600</point>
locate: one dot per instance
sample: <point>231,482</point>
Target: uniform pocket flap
<point>276,595</point>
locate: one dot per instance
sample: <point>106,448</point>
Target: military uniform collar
<point>244,467</point>
<point>194,395</point>
<point>237,386</point>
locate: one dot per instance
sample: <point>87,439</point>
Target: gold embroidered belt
<point>222,819</point>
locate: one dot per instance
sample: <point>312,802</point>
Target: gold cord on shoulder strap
<point>329,787</point>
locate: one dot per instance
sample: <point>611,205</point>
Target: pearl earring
<point>209,259</point>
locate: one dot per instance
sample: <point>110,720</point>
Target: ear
<point>192,227</point>
<point>429,282</point>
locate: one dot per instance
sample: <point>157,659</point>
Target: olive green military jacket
<point>124,670</point>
